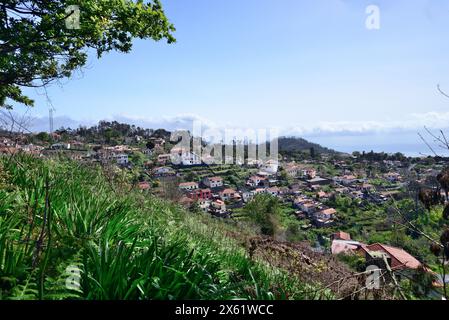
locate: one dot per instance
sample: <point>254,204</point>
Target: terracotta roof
<point>215,178</point>
<point>401,255</point>
<point>342,246</point>
<point>308,204</point>
<point>329,211</point>
<point>340,235</point>
<point>229,190</point>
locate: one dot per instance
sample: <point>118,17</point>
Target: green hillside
<point>295,144</point>
<point>60,216</point>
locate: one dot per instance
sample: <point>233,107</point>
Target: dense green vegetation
<point>384,223</point>
<point>294,144</point>
<point>56,214</point>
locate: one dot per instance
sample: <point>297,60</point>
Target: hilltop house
<point>307,206</point>
<point>229,194</point>
<point>213,182</point>
<point>255,181</point>
<point>324,217</point>
<point>346,180</point>
<point>161,171</point>
<point>184,157</point>
<point>270,167</point>
<point>164,158</point>
<point>187,186</point>
<point>190,159</point>
<point>218,206</point>
<point>274,191</point>
<point>291,169</point>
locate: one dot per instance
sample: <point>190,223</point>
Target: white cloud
<point>411,122</point>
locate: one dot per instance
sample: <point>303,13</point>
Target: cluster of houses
<point>210,194</point>
<point>214,196</point>
<point>321,215</point>
<point>8,146</point>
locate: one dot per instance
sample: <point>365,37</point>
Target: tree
<point>312,153</point>
<point>38,47</point>
<point>138,159</point>
<point>150,145</point>
<point>43,136</point>
<point>263,209</point>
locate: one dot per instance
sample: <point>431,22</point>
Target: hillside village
<point>310,186</point>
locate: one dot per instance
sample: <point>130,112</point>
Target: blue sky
<point>308,67</point>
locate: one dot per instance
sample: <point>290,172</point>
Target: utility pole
<point>50,111</point>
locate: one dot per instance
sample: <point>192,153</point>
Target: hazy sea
<point>408,143</point>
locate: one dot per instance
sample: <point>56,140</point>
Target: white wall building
<point>270,167</point>
<point>213,182</point>
<point>121,159</point>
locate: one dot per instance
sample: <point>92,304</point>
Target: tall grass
<point>59,214</point>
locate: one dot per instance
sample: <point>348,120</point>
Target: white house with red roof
<point>398,258</point>
<point>229,194</point>
<point>255,181</point>
<point>213,182</point>
<point>188,186</point>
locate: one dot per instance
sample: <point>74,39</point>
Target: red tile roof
<point>215,179</point>
<point>340,235</point>
<point>229,190</point>
<point>404,258</point>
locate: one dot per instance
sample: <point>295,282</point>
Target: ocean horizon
<point>408,143</point>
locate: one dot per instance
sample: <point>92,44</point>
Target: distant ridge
<point>291,144</point>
